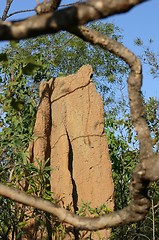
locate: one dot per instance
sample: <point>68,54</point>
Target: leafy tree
<point>24,65</point>
<point>21,77</point>
<point>21,74</point>
<point>148,56</point>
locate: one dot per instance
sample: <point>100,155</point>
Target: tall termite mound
<point>69,129</point>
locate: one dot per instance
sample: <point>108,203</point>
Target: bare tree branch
<point>33,10</point>
<point>64,19</point>
<point>124,216</point>
<point>20,11</point>
<point>8,4</point>
<point>134,83</point>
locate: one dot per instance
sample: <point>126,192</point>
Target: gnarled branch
<point>64,19</point>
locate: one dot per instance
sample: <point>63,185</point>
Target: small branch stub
<point>47,6</point>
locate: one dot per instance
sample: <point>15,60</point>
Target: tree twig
<point>20,11</point>
<point>8,4</point>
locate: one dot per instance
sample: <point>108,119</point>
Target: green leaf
<point>30,68</point>
<point>14,44</point>
<point>138,42</point>
<point>3,57</point>
<point>17,105</point>
<point>21,224</point>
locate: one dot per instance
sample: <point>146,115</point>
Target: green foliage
<point>23,65</point>
<point>138,42</point>
<point>14,217</point>
<point>152,115</point>
<point>3,57</point>
<point>86,210</point>
<point>30,68</point>
<point>149,56</point>
<point>123,149</point>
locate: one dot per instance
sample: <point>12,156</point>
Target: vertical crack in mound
<point>70,168</point>
<point>48,129</point>
<point>74,188</point>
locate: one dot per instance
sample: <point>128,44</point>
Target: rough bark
<point>8,5</point>
<point>64,19</point>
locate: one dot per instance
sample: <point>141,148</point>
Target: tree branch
<point>20,11</point>
<point>134,82</point>
<point>8,4</point>
<point>64,19</point>
<point>83,223</point>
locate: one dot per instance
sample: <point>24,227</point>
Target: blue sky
<point>142,21</point>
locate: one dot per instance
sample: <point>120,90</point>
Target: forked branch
<point>64,19</point>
